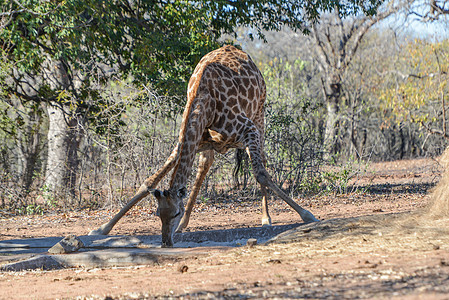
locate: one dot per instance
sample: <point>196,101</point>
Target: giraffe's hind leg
<point>205,162</point>
<point>266,219</point>
<point>252,141</point>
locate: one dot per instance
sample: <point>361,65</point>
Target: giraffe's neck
<point>182,169</point>
<point>190,137</point>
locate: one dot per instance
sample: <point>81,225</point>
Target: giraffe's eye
<point>182,192</point>
<point>175,216</point>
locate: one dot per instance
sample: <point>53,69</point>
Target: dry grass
<point>438,207</point>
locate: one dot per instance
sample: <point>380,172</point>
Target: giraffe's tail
<point>241,166</point>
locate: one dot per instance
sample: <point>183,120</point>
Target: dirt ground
<point>389,252</point>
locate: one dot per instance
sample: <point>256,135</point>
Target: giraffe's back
<point>232,79</point>
<point>237,89</point>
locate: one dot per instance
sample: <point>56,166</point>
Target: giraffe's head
<point>171,210</point>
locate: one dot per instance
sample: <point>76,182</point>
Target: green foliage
<point>155,43</point>
<point>31,209</point>
<point>204,199</point>
<point>338,178</point>
<point>269,15</point>
<point>48,196</point>
<point>420,94</point>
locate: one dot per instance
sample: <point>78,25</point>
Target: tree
<point>429,11</point>
<point>363,129</point>
<point>336,42</point>
<point>61,51</point>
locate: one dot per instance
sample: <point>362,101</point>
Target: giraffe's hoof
<point>103,230</point>
<point>180,228</point>
<point>266,222</point>
<point>308,217</point>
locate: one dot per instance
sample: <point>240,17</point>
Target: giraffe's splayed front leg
<point>205,162</point>
<point>266,222</point>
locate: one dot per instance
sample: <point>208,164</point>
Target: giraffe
<point>224,110</point>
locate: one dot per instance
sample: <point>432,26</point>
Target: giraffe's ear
<point>182,192</point>
<point>162,197</point>
<point>157,193</point>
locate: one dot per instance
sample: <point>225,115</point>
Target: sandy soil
<point>382,256</point>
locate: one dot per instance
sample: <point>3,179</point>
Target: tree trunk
<point>330,133</point>
<point>62,157</point>
<point>29,148</point>
<point>332,91</point>
<point>63,134</point>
